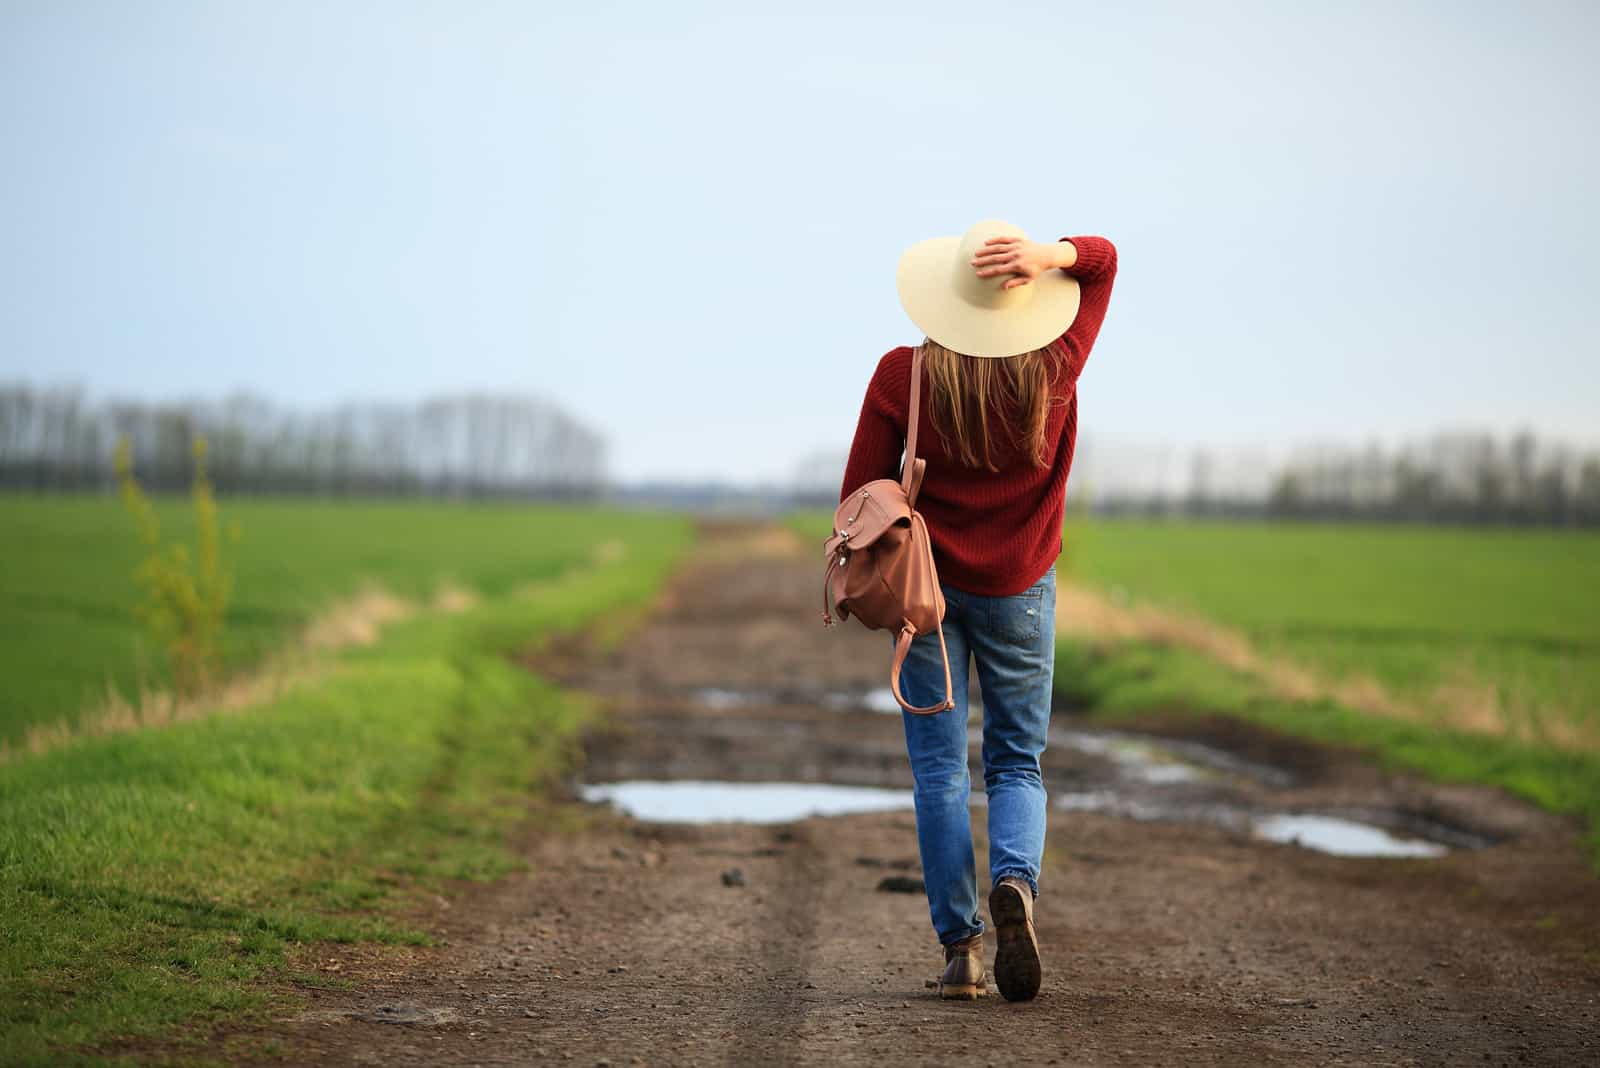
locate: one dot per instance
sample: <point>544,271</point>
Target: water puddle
<point>1137,758</point>
<point>691,801</point>
<point>879,700</point>
<point>1334,835</point>
<point>721,698</point>
<point>678,769</point>
<point>705,801</point>
<point>1344,838</point>
<point>1113,803</point>
<point>1134,758</point>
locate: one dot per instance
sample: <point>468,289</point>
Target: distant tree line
<point>1452,478</point>
<point>1471,478</point>
<point>462,446</point>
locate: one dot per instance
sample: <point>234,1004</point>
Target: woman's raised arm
<point>1091,260</point>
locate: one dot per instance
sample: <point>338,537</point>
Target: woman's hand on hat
<point>1017,256</point>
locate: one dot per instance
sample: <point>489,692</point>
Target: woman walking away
<point>1009,324</point>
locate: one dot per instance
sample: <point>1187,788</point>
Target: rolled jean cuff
<point>978,930</point>
<point>1033,883</point>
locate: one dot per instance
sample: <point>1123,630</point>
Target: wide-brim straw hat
<point>941,291</point>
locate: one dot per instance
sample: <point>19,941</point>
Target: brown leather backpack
<point>880,563</point>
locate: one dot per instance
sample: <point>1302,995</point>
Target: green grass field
<point>67,592</point>
<point>1505,617</point>
<point>150,880</point>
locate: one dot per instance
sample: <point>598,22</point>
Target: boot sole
<point>1017,971</point>
<point>962,992</point>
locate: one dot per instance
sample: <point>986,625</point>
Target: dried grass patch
<point>452,599</point>
<point>355,621</point>
<point>1467,702</point>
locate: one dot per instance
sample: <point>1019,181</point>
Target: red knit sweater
<point>994,533</point>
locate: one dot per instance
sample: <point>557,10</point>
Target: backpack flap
<point>862,517</point>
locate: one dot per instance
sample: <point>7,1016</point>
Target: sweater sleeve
<point>880,440</point>
<point>1095,271</point>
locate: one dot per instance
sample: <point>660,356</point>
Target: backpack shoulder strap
<point>911,470</point>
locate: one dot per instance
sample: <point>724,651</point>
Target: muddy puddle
<point>690,801</point>
<point>1345,838</point>
<point>715,755</point>
<point>874,700</point>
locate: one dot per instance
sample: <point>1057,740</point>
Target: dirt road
<point>1173,932</point>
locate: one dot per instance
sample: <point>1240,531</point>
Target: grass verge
<point>153,879</point>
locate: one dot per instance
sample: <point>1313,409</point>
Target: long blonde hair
<point>963,390</point>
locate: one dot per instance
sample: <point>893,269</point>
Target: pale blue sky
<point>1336,221</point>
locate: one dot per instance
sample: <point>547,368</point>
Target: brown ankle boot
<point>963,970</point>
<point>1016,963</point>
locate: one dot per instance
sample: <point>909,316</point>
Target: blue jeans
<point>1012,641</point>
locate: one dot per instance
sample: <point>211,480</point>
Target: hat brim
<point>925,281</point>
